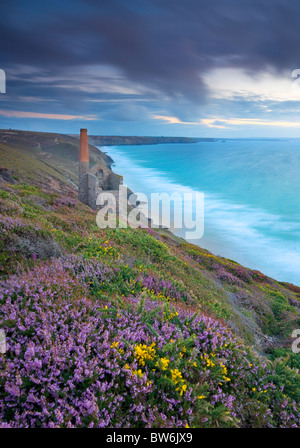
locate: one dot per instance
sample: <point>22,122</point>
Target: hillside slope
<point>46,159</point>
<point>123,327</point>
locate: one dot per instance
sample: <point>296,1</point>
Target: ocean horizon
<point>250,186</point>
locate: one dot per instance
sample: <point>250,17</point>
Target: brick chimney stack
<point>84,147</point>
<point>84,167</point>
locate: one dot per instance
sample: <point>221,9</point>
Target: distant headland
<point>111,140</point>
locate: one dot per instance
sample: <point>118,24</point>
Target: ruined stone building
<point>93,181</point>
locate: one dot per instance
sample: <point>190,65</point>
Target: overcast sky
<point>152,67</point>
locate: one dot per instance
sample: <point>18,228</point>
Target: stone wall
<point>93,190</point>
<point>83,194</point>
<point>114,181</point>
<point>93,182</point>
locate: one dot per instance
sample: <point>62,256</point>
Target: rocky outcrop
<point>5,175</point>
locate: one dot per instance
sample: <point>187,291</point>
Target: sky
<point>217,68</point>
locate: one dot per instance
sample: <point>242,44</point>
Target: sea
<point>251,195</point>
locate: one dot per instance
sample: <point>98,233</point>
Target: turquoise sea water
<point>252,200</point>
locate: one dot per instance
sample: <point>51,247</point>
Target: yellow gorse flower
<point>176,376</point>
<point>182,389</point>
<point>209,362</point>
<point>138,373</point>
<point>163,363</point>
<point>225,372</point>
<point>143,352</point>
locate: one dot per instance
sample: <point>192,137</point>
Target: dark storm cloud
<point>162,44</point>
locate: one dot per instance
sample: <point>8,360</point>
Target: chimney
<point>84,167</point>
<point>84,147</point>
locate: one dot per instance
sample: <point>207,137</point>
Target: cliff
<point>129,327</point>
<point>104,140</point>
<point>45,159</point>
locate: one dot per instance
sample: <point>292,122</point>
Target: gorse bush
<point>142,242</point>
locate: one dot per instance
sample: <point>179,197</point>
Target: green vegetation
<point>137,327</point>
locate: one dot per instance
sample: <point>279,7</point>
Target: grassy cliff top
<point>46,159</point>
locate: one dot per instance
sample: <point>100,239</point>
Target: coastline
<point>222,235</point>
<point>103,277</point>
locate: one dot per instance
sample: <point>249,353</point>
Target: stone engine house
<point>96,180</point>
